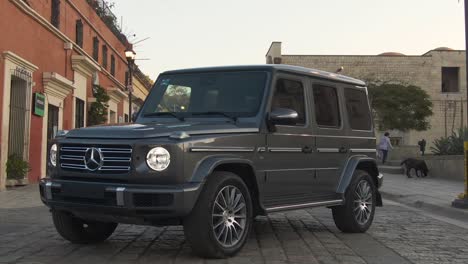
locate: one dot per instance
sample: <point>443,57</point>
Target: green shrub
<point>97,113</point>
<point>16,167</point>
<point>451,145</point>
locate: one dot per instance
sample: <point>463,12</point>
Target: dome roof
<point>443,49</point>
<point>391,54</point>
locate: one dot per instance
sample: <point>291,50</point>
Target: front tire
<point>80,231</point>
<point>357,214</point>
<point>220,222</point>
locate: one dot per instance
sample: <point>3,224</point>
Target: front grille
<point>112,158</point>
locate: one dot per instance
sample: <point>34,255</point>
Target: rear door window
<point>327,111</point>
<point>358,109</point>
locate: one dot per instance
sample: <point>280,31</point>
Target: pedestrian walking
<point>384,146</point>
<point>422,146</point>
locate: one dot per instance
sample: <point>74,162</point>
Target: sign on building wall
<point>39,104</point>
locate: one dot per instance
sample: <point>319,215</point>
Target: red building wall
<point>25,37</point>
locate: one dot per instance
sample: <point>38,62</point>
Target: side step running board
<point>304,205</point>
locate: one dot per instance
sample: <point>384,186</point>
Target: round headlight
<point>53,155</point>
<point>158,159</point>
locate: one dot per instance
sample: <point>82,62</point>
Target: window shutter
<point>96,48</point>
<point>112,69</point>
<point>79,33</point>
<point>104,56</point>
<point>55,18</point>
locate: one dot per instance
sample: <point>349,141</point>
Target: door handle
<point>343,150</point>
<point>307,149</point>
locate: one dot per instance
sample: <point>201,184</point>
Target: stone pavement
<point>398,235</point>
<point>432,194</point>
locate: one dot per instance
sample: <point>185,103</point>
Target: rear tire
<point>80,231</point>
<point>219,224</point>
<point>357,214</point>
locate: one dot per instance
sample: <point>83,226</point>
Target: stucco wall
<point>446,167</point>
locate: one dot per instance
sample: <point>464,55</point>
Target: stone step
<point>391,169</point>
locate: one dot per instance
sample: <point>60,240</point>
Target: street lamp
<point>130,55</point>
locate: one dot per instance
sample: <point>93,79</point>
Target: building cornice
<point>84,65</point>
<point>57,85</point>
<point>10,56</point>
<point>116,95</point>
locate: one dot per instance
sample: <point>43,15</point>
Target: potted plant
<point>17,170</point>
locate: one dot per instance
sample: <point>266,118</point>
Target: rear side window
<point>358,109</point>
<point>290,94</point>
<point>327,112</point>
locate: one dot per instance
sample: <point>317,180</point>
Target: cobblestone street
<point>398,235</point>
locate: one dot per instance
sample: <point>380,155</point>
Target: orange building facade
<point>52,54</point>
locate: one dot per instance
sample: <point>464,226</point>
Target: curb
<point>447,211</point>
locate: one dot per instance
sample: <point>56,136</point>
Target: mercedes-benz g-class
<point>211,148</point>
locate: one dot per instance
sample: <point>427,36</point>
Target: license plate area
<point>83,190</point>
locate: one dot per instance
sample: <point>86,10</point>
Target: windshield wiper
<point>181,118</point>
<point>233,118</point>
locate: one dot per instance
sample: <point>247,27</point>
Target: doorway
<point>52,122</point>
<point>17,142</point>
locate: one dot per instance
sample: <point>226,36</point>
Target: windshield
<point>225,94</point>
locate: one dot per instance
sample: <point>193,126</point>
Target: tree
<point>97,113</point>
<point>401,107</point>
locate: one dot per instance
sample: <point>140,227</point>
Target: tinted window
<point>237,94</point>
<point>358,109</point>
<point>327,112</point>
<point>290,94</point>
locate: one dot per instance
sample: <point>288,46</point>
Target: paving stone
<point>398,235</point>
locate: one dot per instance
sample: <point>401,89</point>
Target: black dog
<point>419,167</point>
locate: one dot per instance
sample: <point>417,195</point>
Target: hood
<point>154,130</point>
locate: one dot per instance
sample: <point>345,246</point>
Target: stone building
<point>440,72</point>
<point>52,54</point>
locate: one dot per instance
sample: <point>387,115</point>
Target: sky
<point>188,33</point>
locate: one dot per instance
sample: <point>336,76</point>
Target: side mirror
<point>134,116</point>
<point>283,116</point>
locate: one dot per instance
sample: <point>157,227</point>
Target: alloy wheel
<point>362,208</point>
<point>229,215</point>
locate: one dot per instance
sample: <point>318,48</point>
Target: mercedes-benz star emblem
<point>93,159</point>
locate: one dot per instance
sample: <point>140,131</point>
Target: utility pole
<point>462,200</point>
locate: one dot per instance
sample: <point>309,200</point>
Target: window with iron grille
<point>79,33</point>
<point>104,56</point>
<point>96,48</point>
<point>112,67</point>
<point>79,113</point>
<point>55,17</point>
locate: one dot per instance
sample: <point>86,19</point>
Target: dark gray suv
<point>212,148</point>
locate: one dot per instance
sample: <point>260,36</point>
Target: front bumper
<point>120,202</point>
